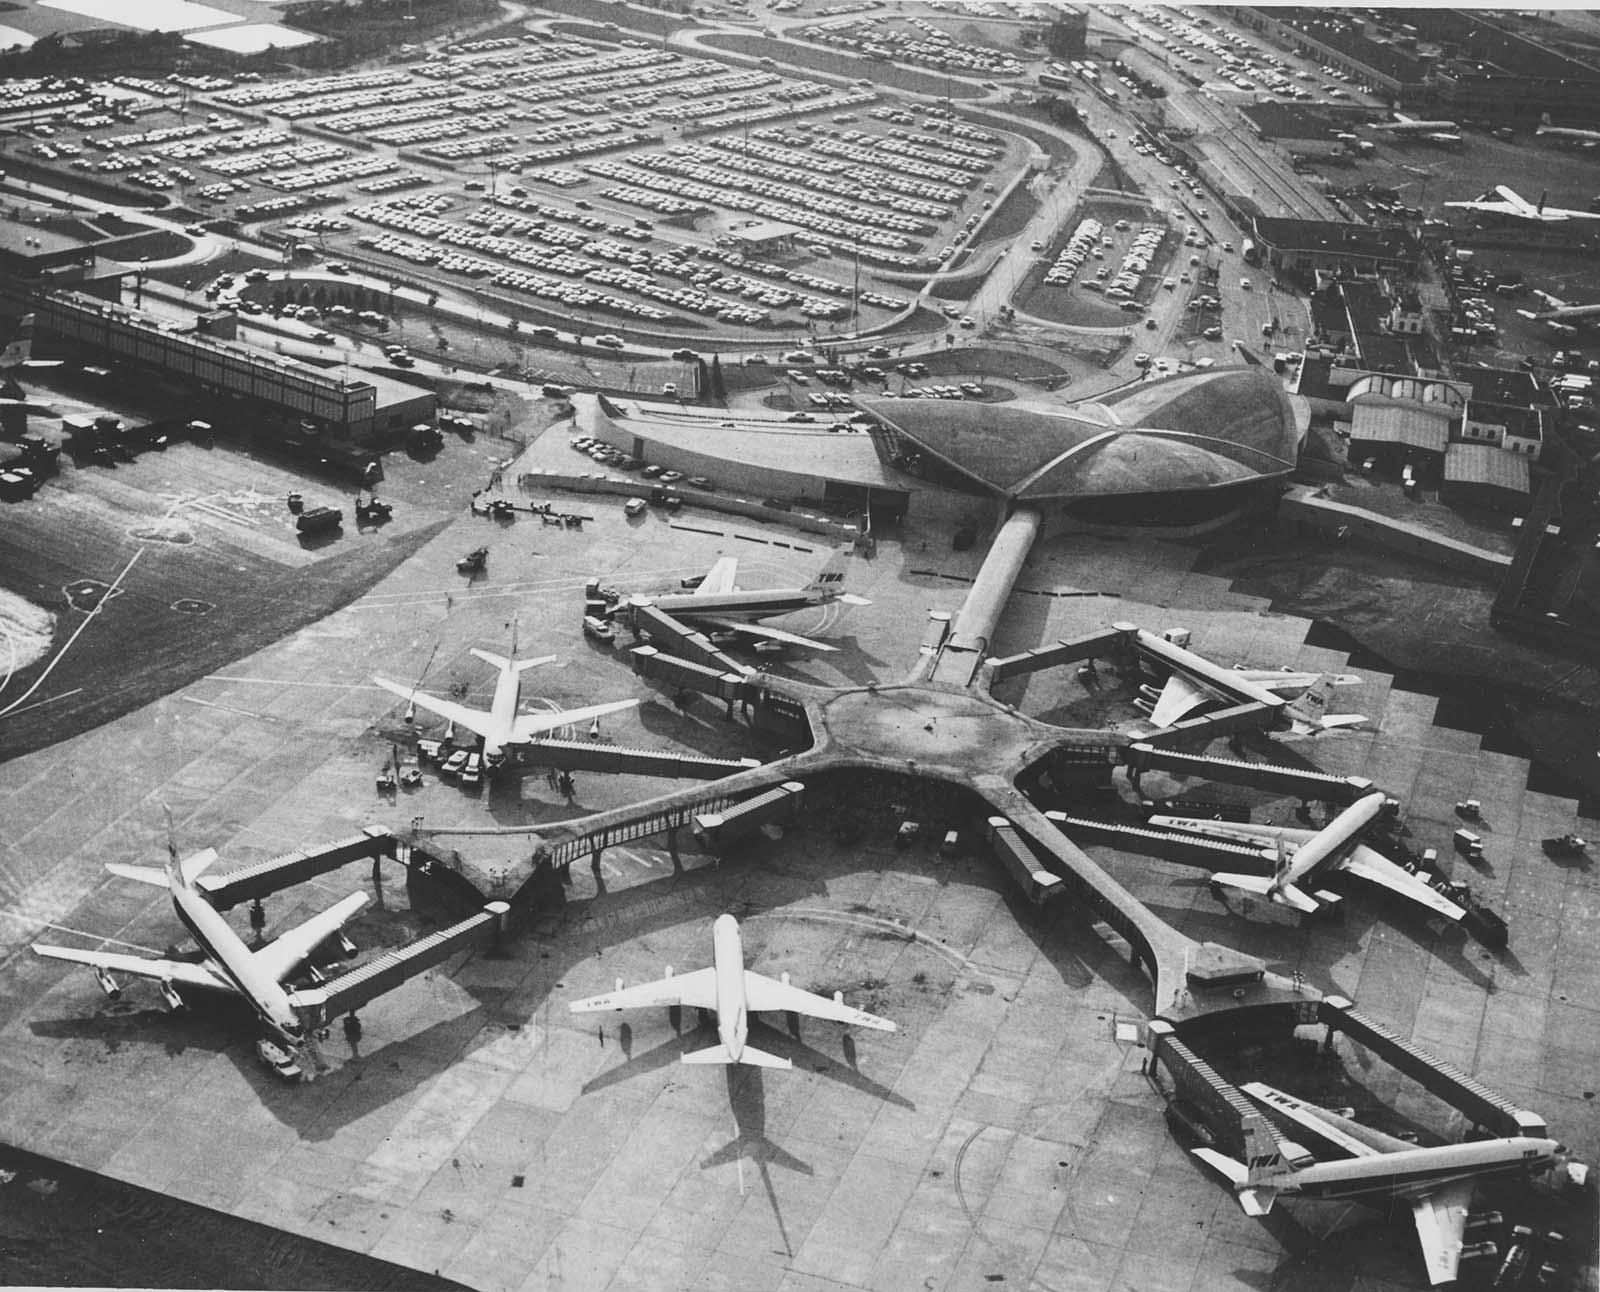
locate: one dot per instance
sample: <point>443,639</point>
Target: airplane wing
<point>525,726</point>
<point>1179,698</point>
<point>183,972</point>
<point>760,630</point>
<point>762,994</point>
<point>698,990</point>
<point>284,954</point>
<point>719,578</point>
<point>1518,204</point>
<point>1372,866</point>
<point>474,720</point>
<point>1441,1218</point>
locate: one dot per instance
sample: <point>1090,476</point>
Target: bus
<point>1252,255</point>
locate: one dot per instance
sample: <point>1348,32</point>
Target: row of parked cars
<point>609,455</point>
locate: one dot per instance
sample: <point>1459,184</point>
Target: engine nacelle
<point>316,975</point>
<point>169,993</point>
<point>838,998</point>
<point>347,948</point>
<point>619,984</point>
<point>410,714</point>
<point>669,971</point>
<point>108,983</point>
<point>784,978</point>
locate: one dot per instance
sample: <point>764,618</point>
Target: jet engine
<point>108,984</point>
<point>169,993</point>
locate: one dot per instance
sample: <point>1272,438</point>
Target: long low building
<point>1178,454</point>
<point>762,455</point>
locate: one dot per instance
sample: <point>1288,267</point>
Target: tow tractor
<point>474,561</point>
<point>1565,845</point>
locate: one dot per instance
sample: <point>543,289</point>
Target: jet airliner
<point>501,726</point>
<point>1378,1169</point>
<point>718,604</point>
<point>734,992</point>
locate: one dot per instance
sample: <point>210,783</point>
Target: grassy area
<point>820,59</point>
<point>1011,216</point>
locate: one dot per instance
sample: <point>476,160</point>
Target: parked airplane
<point>228,965</point>
<point>501,726</point>
<point>719,604</point>
<point>1305,855</point>
<point>1437,1182</point>
<point>734,992</point>
<point>1308,713</point>
<point>1180,696</point>
<point>18,352</point>
<point>1564,311</point>
<point>1508,204</point>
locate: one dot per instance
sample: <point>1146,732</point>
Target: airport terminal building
<point>1182,454</point>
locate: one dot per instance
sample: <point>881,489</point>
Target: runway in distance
<point>734,992</point>
<point>228,965</point>
<point>1304,856</point>
<point>500,726</point>
<point>1376,1169</point>
<point>718,604</point>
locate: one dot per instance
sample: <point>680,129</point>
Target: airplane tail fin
<point>830,578</point>
<point>1264,1164</point>
<point>176,878</point>
<point>20,348</point>
<point>1543,198</point>
<point>720,1053</point>
<point>1312,704</point>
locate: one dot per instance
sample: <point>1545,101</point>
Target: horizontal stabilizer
<point>144,874</point>
<point>1257,1202</point>
<point>720,1053</point>
<point>1263,886</point>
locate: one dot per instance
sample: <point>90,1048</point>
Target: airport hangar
<point>1181,454</point>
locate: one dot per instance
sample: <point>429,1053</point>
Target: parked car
<point>635,507</point>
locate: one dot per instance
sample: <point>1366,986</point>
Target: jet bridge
<point>1170,845</point>
<point>728,685</point>
<point>593,756</point>
<point>266,877</point>
<point>1483,1105</point>
<point>1069,650</point>
<point>1303,783</point>
<point>677,637</point>
<point>350,991</point>
<point>1021,864</point>
<point>1202,729</point>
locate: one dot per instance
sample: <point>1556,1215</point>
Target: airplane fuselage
<point>218,940</point>
<point>502,713</point>
<point>1331,842</point>
<point>752,605</point>
<point>727,958</point>
<point>1411,1172</point>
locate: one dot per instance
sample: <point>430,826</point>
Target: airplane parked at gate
<point>228,965</point>
<point>1561,311</point>
<point>1180,696</point>
<point>1507,204</point>
<point>716,603</point>
<point>1437,1182</point>
<point>501,726</point>
<point>1304,856</point>
<point>734,992</point>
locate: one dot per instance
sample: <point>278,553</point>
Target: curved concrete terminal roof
<point>1193,431</point>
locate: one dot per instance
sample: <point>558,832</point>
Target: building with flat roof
<point>1305,246</point>
<point>1345,43</point>
<point>1481,475</point>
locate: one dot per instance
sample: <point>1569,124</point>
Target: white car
<point>635,507</point>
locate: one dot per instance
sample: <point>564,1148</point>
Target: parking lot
<point>611,177</point>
